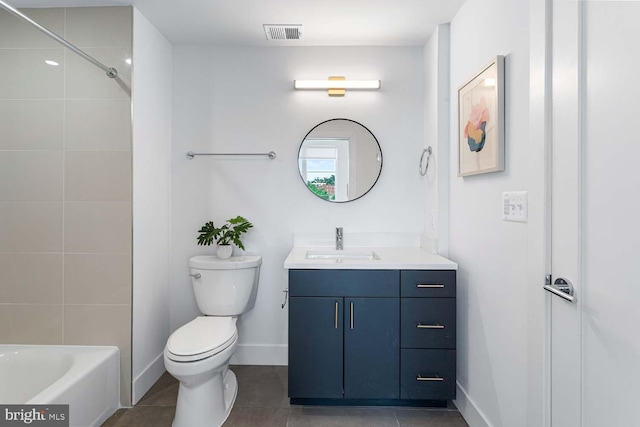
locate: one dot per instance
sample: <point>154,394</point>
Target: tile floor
<point>262,402</point>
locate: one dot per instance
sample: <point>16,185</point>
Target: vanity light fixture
<point>336,86</point>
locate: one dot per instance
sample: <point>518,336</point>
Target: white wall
<point>242,100</point>
<point>492,255</point>
<point>152,109</point>
<point>436,135</point>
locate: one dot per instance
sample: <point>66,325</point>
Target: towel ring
<point>428,152</point>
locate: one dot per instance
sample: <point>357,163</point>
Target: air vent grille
<point>283,32</point>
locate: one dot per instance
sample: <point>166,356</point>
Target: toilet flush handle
<point>196,276</point>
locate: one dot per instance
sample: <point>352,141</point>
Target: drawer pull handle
<point>336,315</point>
<point>436,326</point>
<point>436,378</point>
<point>428,285</point>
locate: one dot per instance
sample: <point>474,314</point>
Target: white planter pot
<point>224,251</point>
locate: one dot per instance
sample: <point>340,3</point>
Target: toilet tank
<point>225,287</point>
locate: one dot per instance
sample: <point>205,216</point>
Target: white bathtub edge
<point>143,382</point>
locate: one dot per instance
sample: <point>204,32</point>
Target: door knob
<point>562,288</point>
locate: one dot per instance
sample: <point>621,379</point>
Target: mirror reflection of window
<point>339,160</point>
<point>324,165</point>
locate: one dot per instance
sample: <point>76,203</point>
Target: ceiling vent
<point>283,32</point>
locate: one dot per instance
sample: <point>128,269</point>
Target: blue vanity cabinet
<point>428,347</point>
<point>372,336</point>
<point>344,334</point>
<point>371,348</point>
<point>315,347</point>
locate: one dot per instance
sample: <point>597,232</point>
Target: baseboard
<point>143,382</point>
<point>261,354</point>
<point>469,410</point>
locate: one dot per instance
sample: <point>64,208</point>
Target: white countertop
<point>391,258</point>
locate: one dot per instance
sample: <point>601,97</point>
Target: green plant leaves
<point>225,235</point>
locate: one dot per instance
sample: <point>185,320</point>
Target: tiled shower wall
<point>65,182</point>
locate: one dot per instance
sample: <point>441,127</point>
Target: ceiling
<point>325,22</point>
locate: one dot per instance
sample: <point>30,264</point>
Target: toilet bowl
<point>198,353</point>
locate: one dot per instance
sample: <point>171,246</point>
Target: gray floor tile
<point>261,387</point>
<point>144,416</point>
<point>262,401</point>
<point>253,417</point>
<point>306,416</point>
<point>115,418</point>
<point>429,418</point>
<point>163,393</point>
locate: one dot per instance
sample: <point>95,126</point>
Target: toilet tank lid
<point>207,262</point>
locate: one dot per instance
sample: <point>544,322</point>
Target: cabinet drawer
<point>428,283</point>
<point>344,283</point>
<point>428,322</point>
<point>427,374</point>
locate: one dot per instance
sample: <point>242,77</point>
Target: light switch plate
<point>514,206</point>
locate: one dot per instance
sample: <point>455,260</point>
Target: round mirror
<point>339,160</point>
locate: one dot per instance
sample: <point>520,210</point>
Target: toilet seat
<point>201,338</point>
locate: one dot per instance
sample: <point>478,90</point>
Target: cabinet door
<point>371,341</point>
<point>315,347</point>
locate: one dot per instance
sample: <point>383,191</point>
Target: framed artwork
<point>481,121</point>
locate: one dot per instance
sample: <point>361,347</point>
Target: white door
<point>595,224</point>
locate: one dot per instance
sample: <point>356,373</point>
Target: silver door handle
<point>428,285</point>
<point>562,288</point>
<point>196,276</point>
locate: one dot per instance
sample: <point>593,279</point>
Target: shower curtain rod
<point>111,72</point>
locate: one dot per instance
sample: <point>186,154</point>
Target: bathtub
<point>84,377</point>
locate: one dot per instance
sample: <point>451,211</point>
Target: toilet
<point>197,354</point>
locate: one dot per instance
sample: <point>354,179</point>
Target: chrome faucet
<point>339,239</point>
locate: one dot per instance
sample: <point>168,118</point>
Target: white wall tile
<point>31,124</point>
<point>99,26</point>
<point>30,227</point>
<point>97,227</point>
<point>98,124</point>
<point>84,80</point>
<point>15,33</point>
<point>30,175</point>
<point>97,176</point>
<point>97,279</point>
<point>32,278</point>
<point>25,75</point>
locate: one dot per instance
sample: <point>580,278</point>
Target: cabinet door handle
<point>436,378</point>
<point>351,315</point>
<point>336,315</point>
<point>434,326</point>
<point>429,285</point>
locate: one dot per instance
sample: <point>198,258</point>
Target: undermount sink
<point>342,255</point>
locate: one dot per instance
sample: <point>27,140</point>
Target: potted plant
<point>224,236</point>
